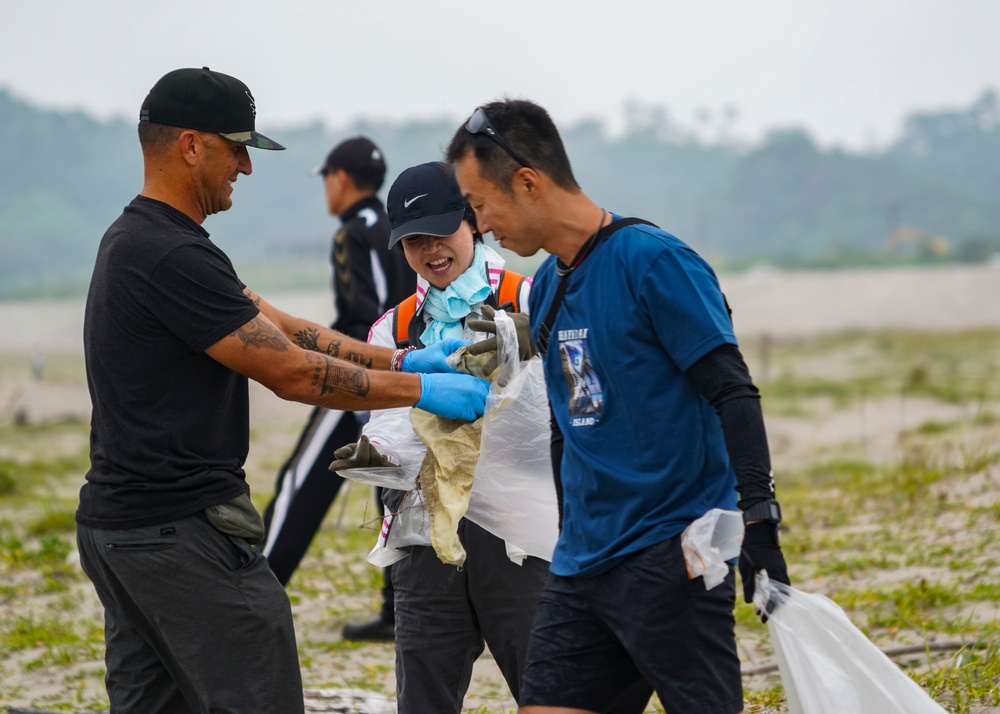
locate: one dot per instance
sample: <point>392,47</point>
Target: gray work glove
<point>525,347</point>
<point>361,455</point>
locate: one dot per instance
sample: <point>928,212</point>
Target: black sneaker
<point>375,631</point>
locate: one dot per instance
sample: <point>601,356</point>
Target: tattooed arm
<point>316,338</point>
<point>304,368</point>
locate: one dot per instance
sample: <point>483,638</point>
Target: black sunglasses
<point>479,123</point>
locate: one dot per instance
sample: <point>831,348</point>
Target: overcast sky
<point>847,70</point>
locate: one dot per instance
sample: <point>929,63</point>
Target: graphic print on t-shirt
<point>586,396</point>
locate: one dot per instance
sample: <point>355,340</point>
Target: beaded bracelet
<point>396,363</point>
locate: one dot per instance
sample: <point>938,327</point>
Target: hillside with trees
<point>934,195</point>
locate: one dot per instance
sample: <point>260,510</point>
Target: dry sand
<point>765,302</point>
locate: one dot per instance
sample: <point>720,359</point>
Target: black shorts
<point>594,637</point>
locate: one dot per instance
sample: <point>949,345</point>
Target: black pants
<point>194,621</point>
<point>304,492</point>
<point>446,616</point>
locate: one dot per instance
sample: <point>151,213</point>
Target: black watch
<point>767,511</point>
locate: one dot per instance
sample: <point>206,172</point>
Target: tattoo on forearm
<point>308,339</point>
<point>262,335</point>
<point>254,297</point>
<point>358,358</point>
<point>329,376</point>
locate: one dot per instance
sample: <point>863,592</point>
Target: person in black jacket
<point>368,279</point>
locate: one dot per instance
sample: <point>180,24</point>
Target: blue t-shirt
<point>643,453</point>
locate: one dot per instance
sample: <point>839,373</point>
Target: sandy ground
<point>764,303</point>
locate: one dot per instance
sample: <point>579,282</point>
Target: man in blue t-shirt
<point>655,422</point>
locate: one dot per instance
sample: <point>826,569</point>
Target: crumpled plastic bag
<point>513,493</point>
<point>827,665</point>
<point>409,526</point>
<point>710,542</point>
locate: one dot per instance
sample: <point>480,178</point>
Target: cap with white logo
<point>359,157</point>
<point>204,100</point>
<point>425,200</point>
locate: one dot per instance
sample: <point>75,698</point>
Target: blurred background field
<point>881,391</point>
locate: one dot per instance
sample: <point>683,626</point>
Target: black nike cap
<point>425,200</point>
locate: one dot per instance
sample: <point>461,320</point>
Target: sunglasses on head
<point>479,123</point>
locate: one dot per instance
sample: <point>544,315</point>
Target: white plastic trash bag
<point>710,542</point>
<point>381,555</point>
<point>411,526</point>
<point>827,665</point>
<point>513,494</point>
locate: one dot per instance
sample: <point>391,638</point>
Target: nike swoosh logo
<point>406,204</point>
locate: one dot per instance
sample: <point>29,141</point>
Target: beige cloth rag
<point>446,473</point>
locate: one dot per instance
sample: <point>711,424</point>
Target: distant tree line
<point>932,196</point>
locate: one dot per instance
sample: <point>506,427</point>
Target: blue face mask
<point>450,306</point>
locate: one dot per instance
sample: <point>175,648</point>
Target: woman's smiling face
<point>439,260</point>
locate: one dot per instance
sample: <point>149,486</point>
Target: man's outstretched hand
<point>433,359</point>
<point>453,396</point>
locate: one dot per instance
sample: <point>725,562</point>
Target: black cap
<point>425,200</point>
<point>204,100</point>
<point>358,157</point>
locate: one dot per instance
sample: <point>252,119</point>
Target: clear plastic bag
<point>827,665</point>
<point>410,526</point>
<point>710,542</point>
<point>513,494</point>
<point>400,478</point>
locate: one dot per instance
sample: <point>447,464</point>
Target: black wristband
<point>767,511</point>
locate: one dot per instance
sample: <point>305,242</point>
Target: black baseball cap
<point>358,156</point>
<point>204,100</point>
<point>425,200</point>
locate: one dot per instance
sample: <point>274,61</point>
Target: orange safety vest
<point>507,293</point>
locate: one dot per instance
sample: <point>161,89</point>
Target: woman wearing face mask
<point>445,615</point>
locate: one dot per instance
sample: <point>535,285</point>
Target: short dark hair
<point>530,130</point>
<point>157,137</point>
<point>366,179</point>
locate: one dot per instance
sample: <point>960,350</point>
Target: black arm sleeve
<point>724,381</point>
<point>556,443</point>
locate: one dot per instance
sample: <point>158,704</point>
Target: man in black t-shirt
<point>368,278</point>
<point>194,618</point>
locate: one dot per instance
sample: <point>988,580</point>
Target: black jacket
<point>368,278</point>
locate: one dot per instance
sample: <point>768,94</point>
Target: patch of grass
<point>23,477</point>
<point>936,427</point>
<point>370,678</point>
<point>907,543</point>
<point>957,368</point>
<point>54,522</point>
<point>967,678</point>
<point>62,640</point>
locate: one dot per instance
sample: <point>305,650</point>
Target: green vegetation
<point>932,197</point>
<point>903,534</point>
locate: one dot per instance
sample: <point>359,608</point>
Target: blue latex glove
<point>453,396</point>
<point>432,359</point>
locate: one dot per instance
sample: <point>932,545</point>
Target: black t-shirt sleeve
<point>195,293</point>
